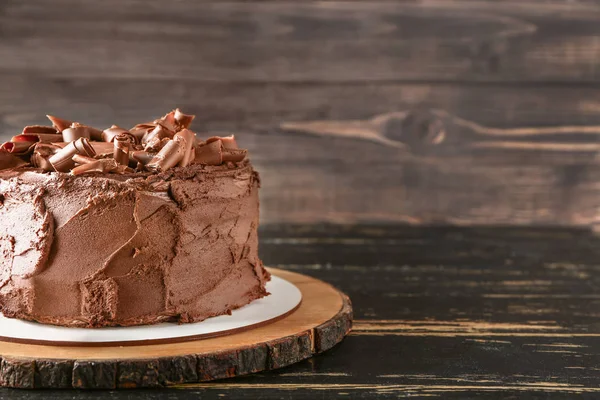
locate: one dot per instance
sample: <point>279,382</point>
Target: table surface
<point>448,312</point>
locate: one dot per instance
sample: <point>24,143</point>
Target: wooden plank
<point>303,42</point>
<point>436,366</point>
<point>263,107</point>
<point>469,348</point>
<point>544,277</point>
<point>362,153</point>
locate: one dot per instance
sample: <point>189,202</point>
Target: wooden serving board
<point>322,320</point>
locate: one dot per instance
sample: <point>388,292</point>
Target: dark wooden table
<point>474,113</point>
<point>447,312</point>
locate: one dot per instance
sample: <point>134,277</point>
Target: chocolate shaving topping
<point>122,143</point>
<point>183,120</point>
<point>210,153</point>
<point>141,130</point>
<point>17,147</point>
<point>34,129</point>
<point>165,143</point>
<point>25,138</point>
<point>59,123</point>
<point>141,156</point>
<point>79,159</point>
<point>108,135</point>
<point>156,144</point>
<point>41,153</point>
<point>235,155</point>
<point>75,131</point>
<point>157,133</point>
<point>103,148</point>
<point>168,121</point>
<point>187,139</point>
<point>227,141</point>
<point>38,137</point>
<point>103,166</point>
<point>62,160</point>
<point>168,157</point>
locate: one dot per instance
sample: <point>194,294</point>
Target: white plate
<point>284,298</point>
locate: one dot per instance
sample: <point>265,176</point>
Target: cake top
<point>156,146</point>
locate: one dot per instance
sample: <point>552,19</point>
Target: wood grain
<point>304,41</point>
<point>501,310</point>
<point>396,98</point>
<point>309,169</point>
<point>452,312</point>
<point>325,315</point>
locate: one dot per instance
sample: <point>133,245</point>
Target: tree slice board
<point>321,321</point>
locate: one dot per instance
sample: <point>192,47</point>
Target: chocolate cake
<point>126,227</point>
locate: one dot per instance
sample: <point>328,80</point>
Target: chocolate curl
<point>20,144</point>
<point>168,122</point>
<point>41,162</point>
<point>210,153</point>
<point>122,143</point>
<point>103,166</point>
<point>228,141</point>
<point>25,138</point>
<point>156,144</point>
<point>159,132</point>
<point>103,148</point>
<point>49,138</point>
<point>41,153</point>
<point>108,135</point>
<point>141,156</point>
<point>183,120</point>
<point>192,154</point>
<point>187,138</point>
<point>59,123</point>
<point>75,132</point>
<point>97,166</point>
<point>141,130</point>
<point>95,134</point>
<point>62,160</point>
<point>35,129</point>
<point>235,155</point>
<point>37,137</point>
<point>17,147</point>
<point>168,157</point>
<point>79,159</point>
<point>32,139</point>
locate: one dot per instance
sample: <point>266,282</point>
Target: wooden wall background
<point>426,112</point>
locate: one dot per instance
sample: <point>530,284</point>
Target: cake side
<point>179,246</point>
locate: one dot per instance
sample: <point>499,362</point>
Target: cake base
<point>322,320</point>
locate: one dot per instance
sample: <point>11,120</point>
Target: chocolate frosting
<point>105,249</point>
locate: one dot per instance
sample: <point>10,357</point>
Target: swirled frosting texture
<point>108,250</point>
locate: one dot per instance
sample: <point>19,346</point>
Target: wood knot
<point>420,128</point>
